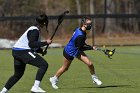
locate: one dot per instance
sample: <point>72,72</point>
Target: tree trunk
<point>110,23</point>
<point>92,11</point>
<point>78,9</point>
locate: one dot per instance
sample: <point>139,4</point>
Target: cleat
<point>97,81</point>
<point>54,82</point>
<point>37,90</point>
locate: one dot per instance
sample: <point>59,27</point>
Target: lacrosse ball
<point>110,53</point>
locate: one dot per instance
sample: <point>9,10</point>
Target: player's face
<point>88,24</point>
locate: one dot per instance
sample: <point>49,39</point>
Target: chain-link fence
<point>107,29</point>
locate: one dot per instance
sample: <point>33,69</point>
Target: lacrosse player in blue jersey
<point>74,49</point>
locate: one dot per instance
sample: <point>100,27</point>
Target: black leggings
<point>20,62</point>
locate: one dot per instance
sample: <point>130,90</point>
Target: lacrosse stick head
<point>109,53</point>
<point>61,17</point>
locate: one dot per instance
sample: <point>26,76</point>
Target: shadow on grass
<point>111,86</point>
<point>108,86</point>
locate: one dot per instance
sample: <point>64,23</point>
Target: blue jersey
<point>71,48</point>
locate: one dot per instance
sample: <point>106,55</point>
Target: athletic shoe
<point>37,90</point>
<point>54,82</point>
<point>97,81</point>
<point>3,92</point>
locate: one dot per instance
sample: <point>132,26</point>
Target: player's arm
<point>80,43</point>
<point>33,36</point>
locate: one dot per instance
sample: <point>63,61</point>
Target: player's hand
<point>44,53</point>
<point>94,48</point>
<point>49,41</point>
<point>39,50</point>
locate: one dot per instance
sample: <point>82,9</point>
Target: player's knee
<point>18,75</point>
<point>89,64</point>
<point>65,68</point>
<point>45,66</point>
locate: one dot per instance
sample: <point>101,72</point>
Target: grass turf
<point>119,75</point>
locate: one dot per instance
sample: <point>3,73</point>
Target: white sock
<point>93,76</point>
<point>4,90</point>
<point>37,83</point>
<point>55,77</point>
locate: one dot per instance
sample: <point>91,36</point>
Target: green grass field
<point>119,75</point>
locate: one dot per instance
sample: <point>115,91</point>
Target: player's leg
<point>59,72</point>
<point>83,57</point>
<point>18,73</point>
<point>63,68</point>
<point>43,66</point>
<point>34,59</point>
<point>67,61</point>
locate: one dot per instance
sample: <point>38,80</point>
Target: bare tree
<point>78,9</point>
<point>110,23</point>
<point>137,11</point>
<point>92,11</point>
<point>91,6</point>
<point>132,21</point>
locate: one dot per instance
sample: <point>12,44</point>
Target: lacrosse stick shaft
<point>99,49</point>
<point>54,32</point>
<point>60,20</point>
<point>50,39</point>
